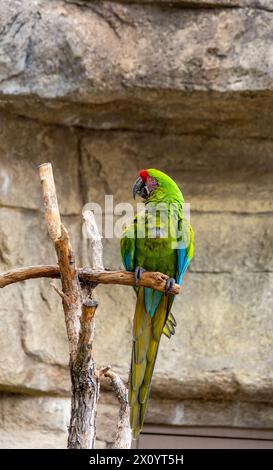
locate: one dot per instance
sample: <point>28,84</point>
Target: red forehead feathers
<point>143,175</point>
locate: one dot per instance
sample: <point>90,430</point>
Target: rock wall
<point>102,89</point>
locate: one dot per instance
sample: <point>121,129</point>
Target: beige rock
<point>31,314</point>
<point>113,324</point>
<point>266,4</point>
<point>27,243</point>
<point>23,439</point>
<point>215,174</point>
<point>94,64</point>
<point>187,413</point>
<point>223,348</point>
<point>25,145</point>
<point>222,344</point>
<point>42,422</point>
<point>30,363</point>
<point>214,413</point>
<point>232,243</point>
<point>33,423</point>
<point>223,243</point>
<point>12,360</point>
<point>225,305</point>
<point>83,68</point>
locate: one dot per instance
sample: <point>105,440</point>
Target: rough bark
<point>94,236</point>
<point>155,280</point>
<point>123,437</point>
<point>79,318</point>
<point>85,385</point>
<point>72,302</point>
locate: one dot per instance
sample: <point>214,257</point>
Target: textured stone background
<point>102,89</point>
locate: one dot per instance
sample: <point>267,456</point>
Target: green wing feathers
<point>147,332</point>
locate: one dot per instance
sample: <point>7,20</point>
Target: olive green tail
<point>147,332</point>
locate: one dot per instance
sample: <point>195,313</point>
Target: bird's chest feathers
<point>156,247</point>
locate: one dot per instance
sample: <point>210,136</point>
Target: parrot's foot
<point>169,285</point>
<point>138,273</point>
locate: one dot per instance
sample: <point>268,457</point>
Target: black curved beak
<point>140,188</point>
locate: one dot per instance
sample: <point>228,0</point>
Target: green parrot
<point>159,239</point>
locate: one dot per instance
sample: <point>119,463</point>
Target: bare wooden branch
<point>85,385</point>
<point>123,433</point>
<point>72,301</point>
<point>85,364</point>
<point>155,280</point>
<point>52,214</point>
<point>59,292</point>
<point>123,437</point>
<point>86,333</point>
<point>28,272</point>
<point>92,233</point>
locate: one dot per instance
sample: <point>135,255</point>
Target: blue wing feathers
<point>127,260</point>
<point>182,264</point>
<point>152,300</point>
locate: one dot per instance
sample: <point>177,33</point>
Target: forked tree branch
<point>72,300</point>
<point>123,436</point>
<point>85,384</point>
<point>79,318</point>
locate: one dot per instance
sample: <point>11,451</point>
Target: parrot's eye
<point>151,183</point>
<point>144,187</point>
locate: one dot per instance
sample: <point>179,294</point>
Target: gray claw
<point>169,285</point>
<point>138,273</point>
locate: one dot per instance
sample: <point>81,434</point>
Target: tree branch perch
<point>79,319</point>
<point>155,280</point>
<point>72,301</point>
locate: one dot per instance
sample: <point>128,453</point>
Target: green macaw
<point>157,240</point>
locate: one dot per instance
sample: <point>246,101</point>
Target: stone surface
<point>263,4</point>
<point>237,414</point>
<point>31,313</point>
<point>25,145</point>
<point>83,68</point>
<point>223,244</point>
<point>214,413</point>
<point>32,339</point>
<point>223,348</point>
<point>222,344</point>
<point>222,264</point>
<point>94,64</point>
<point>215,174</point>
<point>232,260</point>
<point>36,322</point>
<point>38,423</point>
<point>233,243</point>
<point>33,423</point>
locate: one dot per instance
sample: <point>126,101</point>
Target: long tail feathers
<point>147,332</point>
